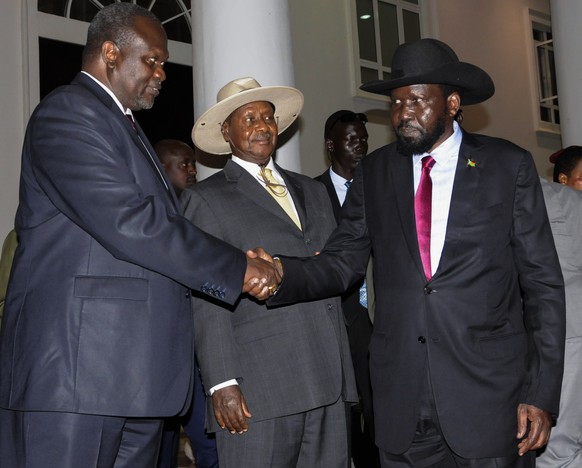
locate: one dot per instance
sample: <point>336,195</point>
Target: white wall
<point>322,55</point>
<point>12,111</point>
<point>492,34</point>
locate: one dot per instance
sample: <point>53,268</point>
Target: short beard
<point>422,144</point>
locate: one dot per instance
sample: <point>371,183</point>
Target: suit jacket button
<point>421,339</point>
<point>187,293</point>
<point>428,290</point>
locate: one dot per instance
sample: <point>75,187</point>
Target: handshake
<point>264,274</point>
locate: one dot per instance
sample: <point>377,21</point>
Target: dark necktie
<point>131,121</point>
<point>423,214</point>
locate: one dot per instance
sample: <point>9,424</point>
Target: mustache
<point>403,125</point>
<point>263,136</point>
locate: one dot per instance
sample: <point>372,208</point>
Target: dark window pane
<point>84,11</point>
<point>366,33</point>
<point>368,74</point>
<point>388,31</point>
<point>174,14</point>
<point>178,30</point>
<point>411,22</point>
<point>544,114</point>
<point>59,62</point>
<point>53,7</point>
<point>415,2</point>
<point>386,76</point>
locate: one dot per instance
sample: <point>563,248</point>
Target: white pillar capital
<point>234,39</point>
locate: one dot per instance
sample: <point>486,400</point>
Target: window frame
<point>381,68</point>
<point>536,18</point>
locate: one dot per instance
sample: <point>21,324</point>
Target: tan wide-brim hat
<point>206,133</point>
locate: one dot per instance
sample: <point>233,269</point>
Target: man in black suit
<point>468,344</point>
<point>96,343</point>
<point>346,141</point>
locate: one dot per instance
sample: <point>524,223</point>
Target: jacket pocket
<point>502,346</point>
<point>111,287</point>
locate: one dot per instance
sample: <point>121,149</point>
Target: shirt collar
<point>336,178</point>
<point>108,91</point>
<point>252,167</point>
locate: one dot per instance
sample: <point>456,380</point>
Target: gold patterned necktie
<point>280,193</point>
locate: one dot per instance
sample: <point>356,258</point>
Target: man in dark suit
<point>179,162</point>
<point>96,343</point>
<point>346,141</point>
<point>289,367</point>
<point>468,342</point>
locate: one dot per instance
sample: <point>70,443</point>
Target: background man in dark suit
<point>467,349</point>
<point>179,163</point>
<point>288,367</point>
<point>346,140</point>
<point>96,343</point>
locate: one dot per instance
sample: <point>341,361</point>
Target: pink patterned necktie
<point>423,214</point>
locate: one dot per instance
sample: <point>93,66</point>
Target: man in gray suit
<point>564,206</point>
<point>279,377</point>
<point>96,343</point>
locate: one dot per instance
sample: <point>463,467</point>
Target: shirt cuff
<point>228,383</point>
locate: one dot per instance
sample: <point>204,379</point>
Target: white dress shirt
<point>442,175</point>
<point>339,183</point>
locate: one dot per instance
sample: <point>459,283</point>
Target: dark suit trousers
<point>316,438</point>
<point>37,439</point>
<point>430,450</point>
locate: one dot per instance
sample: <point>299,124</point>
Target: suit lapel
<point>247,186</point>
<point>152,158</point>
<point>465,186</point>
<point>402,177</point>
<point>297,194</point>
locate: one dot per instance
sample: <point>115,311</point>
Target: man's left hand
<point>540,422</point>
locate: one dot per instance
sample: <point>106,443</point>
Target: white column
<point>566,16</point>
<point>233,39</point>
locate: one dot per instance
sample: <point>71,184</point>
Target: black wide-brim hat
<point>429,61</point>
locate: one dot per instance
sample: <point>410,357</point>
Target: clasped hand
<point>263,276</point>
